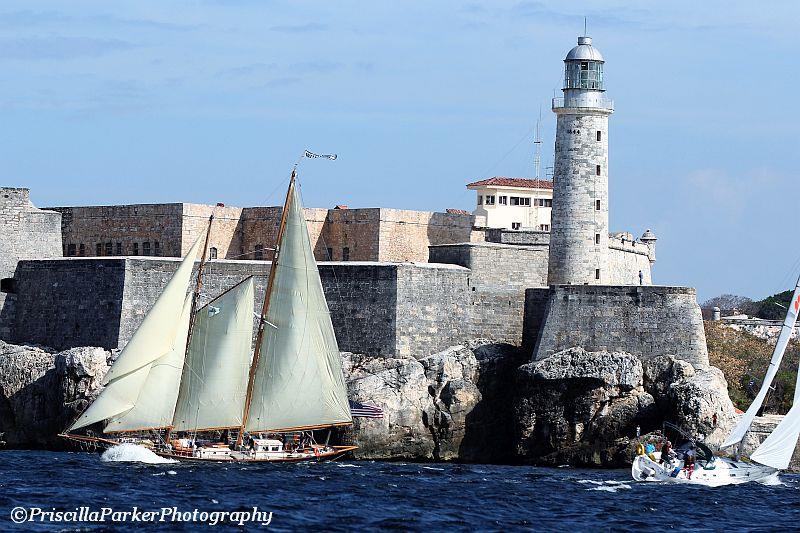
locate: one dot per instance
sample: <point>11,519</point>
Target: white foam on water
<point>772,481</point>
<point>132,453</point>
<point>433,468</point>
<point>614,488</point>
<point>347,465</point>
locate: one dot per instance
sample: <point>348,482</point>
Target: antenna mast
<point>537,143</point>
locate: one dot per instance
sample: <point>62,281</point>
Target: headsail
<point>777,449</point>
<point>777,355</point>
<point>156,333</point>
<point>155,404</point>
<point>154,339</point>
<point>214,382</point>
<point>298,380</point>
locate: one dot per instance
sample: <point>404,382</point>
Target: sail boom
<point>300,428</point>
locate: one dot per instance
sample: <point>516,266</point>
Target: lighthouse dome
<point>584,51</point>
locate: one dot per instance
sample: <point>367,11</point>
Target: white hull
<point>722,471</point>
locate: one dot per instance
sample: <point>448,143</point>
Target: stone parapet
<point>646,321</point>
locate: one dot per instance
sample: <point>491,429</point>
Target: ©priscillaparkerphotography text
<point>463,266</point>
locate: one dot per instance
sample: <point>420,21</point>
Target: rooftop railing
<point>573,103</point>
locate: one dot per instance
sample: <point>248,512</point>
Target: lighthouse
<point>579,233</point>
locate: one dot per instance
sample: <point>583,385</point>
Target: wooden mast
<point>195,297</point>
<point>265,308</point>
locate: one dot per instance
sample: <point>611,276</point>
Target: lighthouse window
<point>516,225</point>
<point>480,199</point>
<point>596,273</point>
<point>584,65</point>
<point>597,205</point>
<point>599,135</point>
<point>502,200</point>
<point>82,249</point>
<point>490,200</point>
<point>597,170</point>
<point>597,238</point>
<point>258,252</point>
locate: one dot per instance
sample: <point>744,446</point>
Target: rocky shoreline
<point>480,402</point>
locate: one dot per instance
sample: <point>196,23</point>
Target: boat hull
<point>222,455</point>
<point>722,471</point>
<point>330,454</point>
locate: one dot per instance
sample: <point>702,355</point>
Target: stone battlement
<point>646,321</point>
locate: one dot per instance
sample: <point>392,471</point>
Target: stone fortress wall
<point>168,230</point>
<point>25,233</point>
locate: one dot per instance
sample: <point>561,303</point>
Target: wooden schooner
<point>191,385</point>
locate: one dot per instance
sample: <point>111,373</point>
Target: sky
<point>213,101</point>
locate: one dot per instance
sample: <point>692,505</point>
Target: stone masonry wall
<point>25,233</point>
<point>63,303</point>
<point>579,231</point>
<point>499,275</point>
<point>646,321</point>
<point>624,267</point>
<point>121,230</point>
<point>405,235</point>
<point>100,302</point>
<point>226,234</point>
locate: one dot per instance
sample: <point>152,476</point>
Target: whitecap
<point>772,481</point>
<point>433,468</point>
<point>171,472</point>
<point>133,453</point>
<point>347,465</point>
<point>612,488</point>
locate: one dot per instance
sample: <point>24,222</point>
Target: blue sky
<point>207,101</point>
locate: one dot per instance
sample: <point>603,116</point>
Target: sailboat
<point>192,385</point>
<point>772,456</point>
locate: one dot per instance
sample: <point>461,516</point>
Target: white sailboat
<point>771,457</point>
<point>191,373</point>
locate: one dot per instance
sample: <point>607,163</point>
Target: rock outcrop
<point>477,402</point>
<point>452,405</point>
<point>42,391</point>
<point>583,408</point>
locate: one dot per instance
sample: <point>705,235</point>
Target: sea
<point>129,488</point>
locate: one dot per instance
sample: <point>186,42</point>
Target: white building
<point>513,203</point>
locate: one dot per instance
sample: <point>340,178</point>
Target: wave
<point>132,453</point>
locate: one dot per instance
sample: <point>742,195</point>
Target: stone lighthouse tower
<point>579,229</point>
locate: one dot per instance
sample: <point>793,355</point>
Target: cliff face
<point>42,392</point>
<point>478,402</point>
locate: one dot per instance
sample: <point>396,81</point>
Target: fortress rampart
<point>25,233</point>
<point>646,321</point>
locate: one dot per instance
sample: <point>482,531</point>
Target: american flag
<point>365,410</point>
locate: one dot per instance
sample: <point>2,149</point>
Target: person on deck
<point>688,461</point>
<point>666,452</point>
<point>650,450</point>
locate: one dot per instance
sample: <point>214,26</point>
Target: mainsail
<point>155,404</point>
<point>154,339</point>
<point>214,383</point>
<point>777,355</point>
<point>297,380</point>
<point>777,449</point>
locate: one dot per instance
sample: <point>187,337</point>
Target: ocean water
<point>367,495</point>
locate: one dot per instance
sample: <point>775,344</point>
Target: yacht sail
<point>297,379</point>
<point>155,404</point>
<point>212,390</point>
<point>777,355</point>
<point>154,339</point>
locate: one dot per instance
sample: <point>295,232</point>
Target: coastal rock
<point>572,407</point>
<point>446,406</point>
<point>700,404</point>
<point>41,391</point>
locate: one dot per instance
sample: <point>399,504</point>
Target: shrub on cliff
<point>744,359</point>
